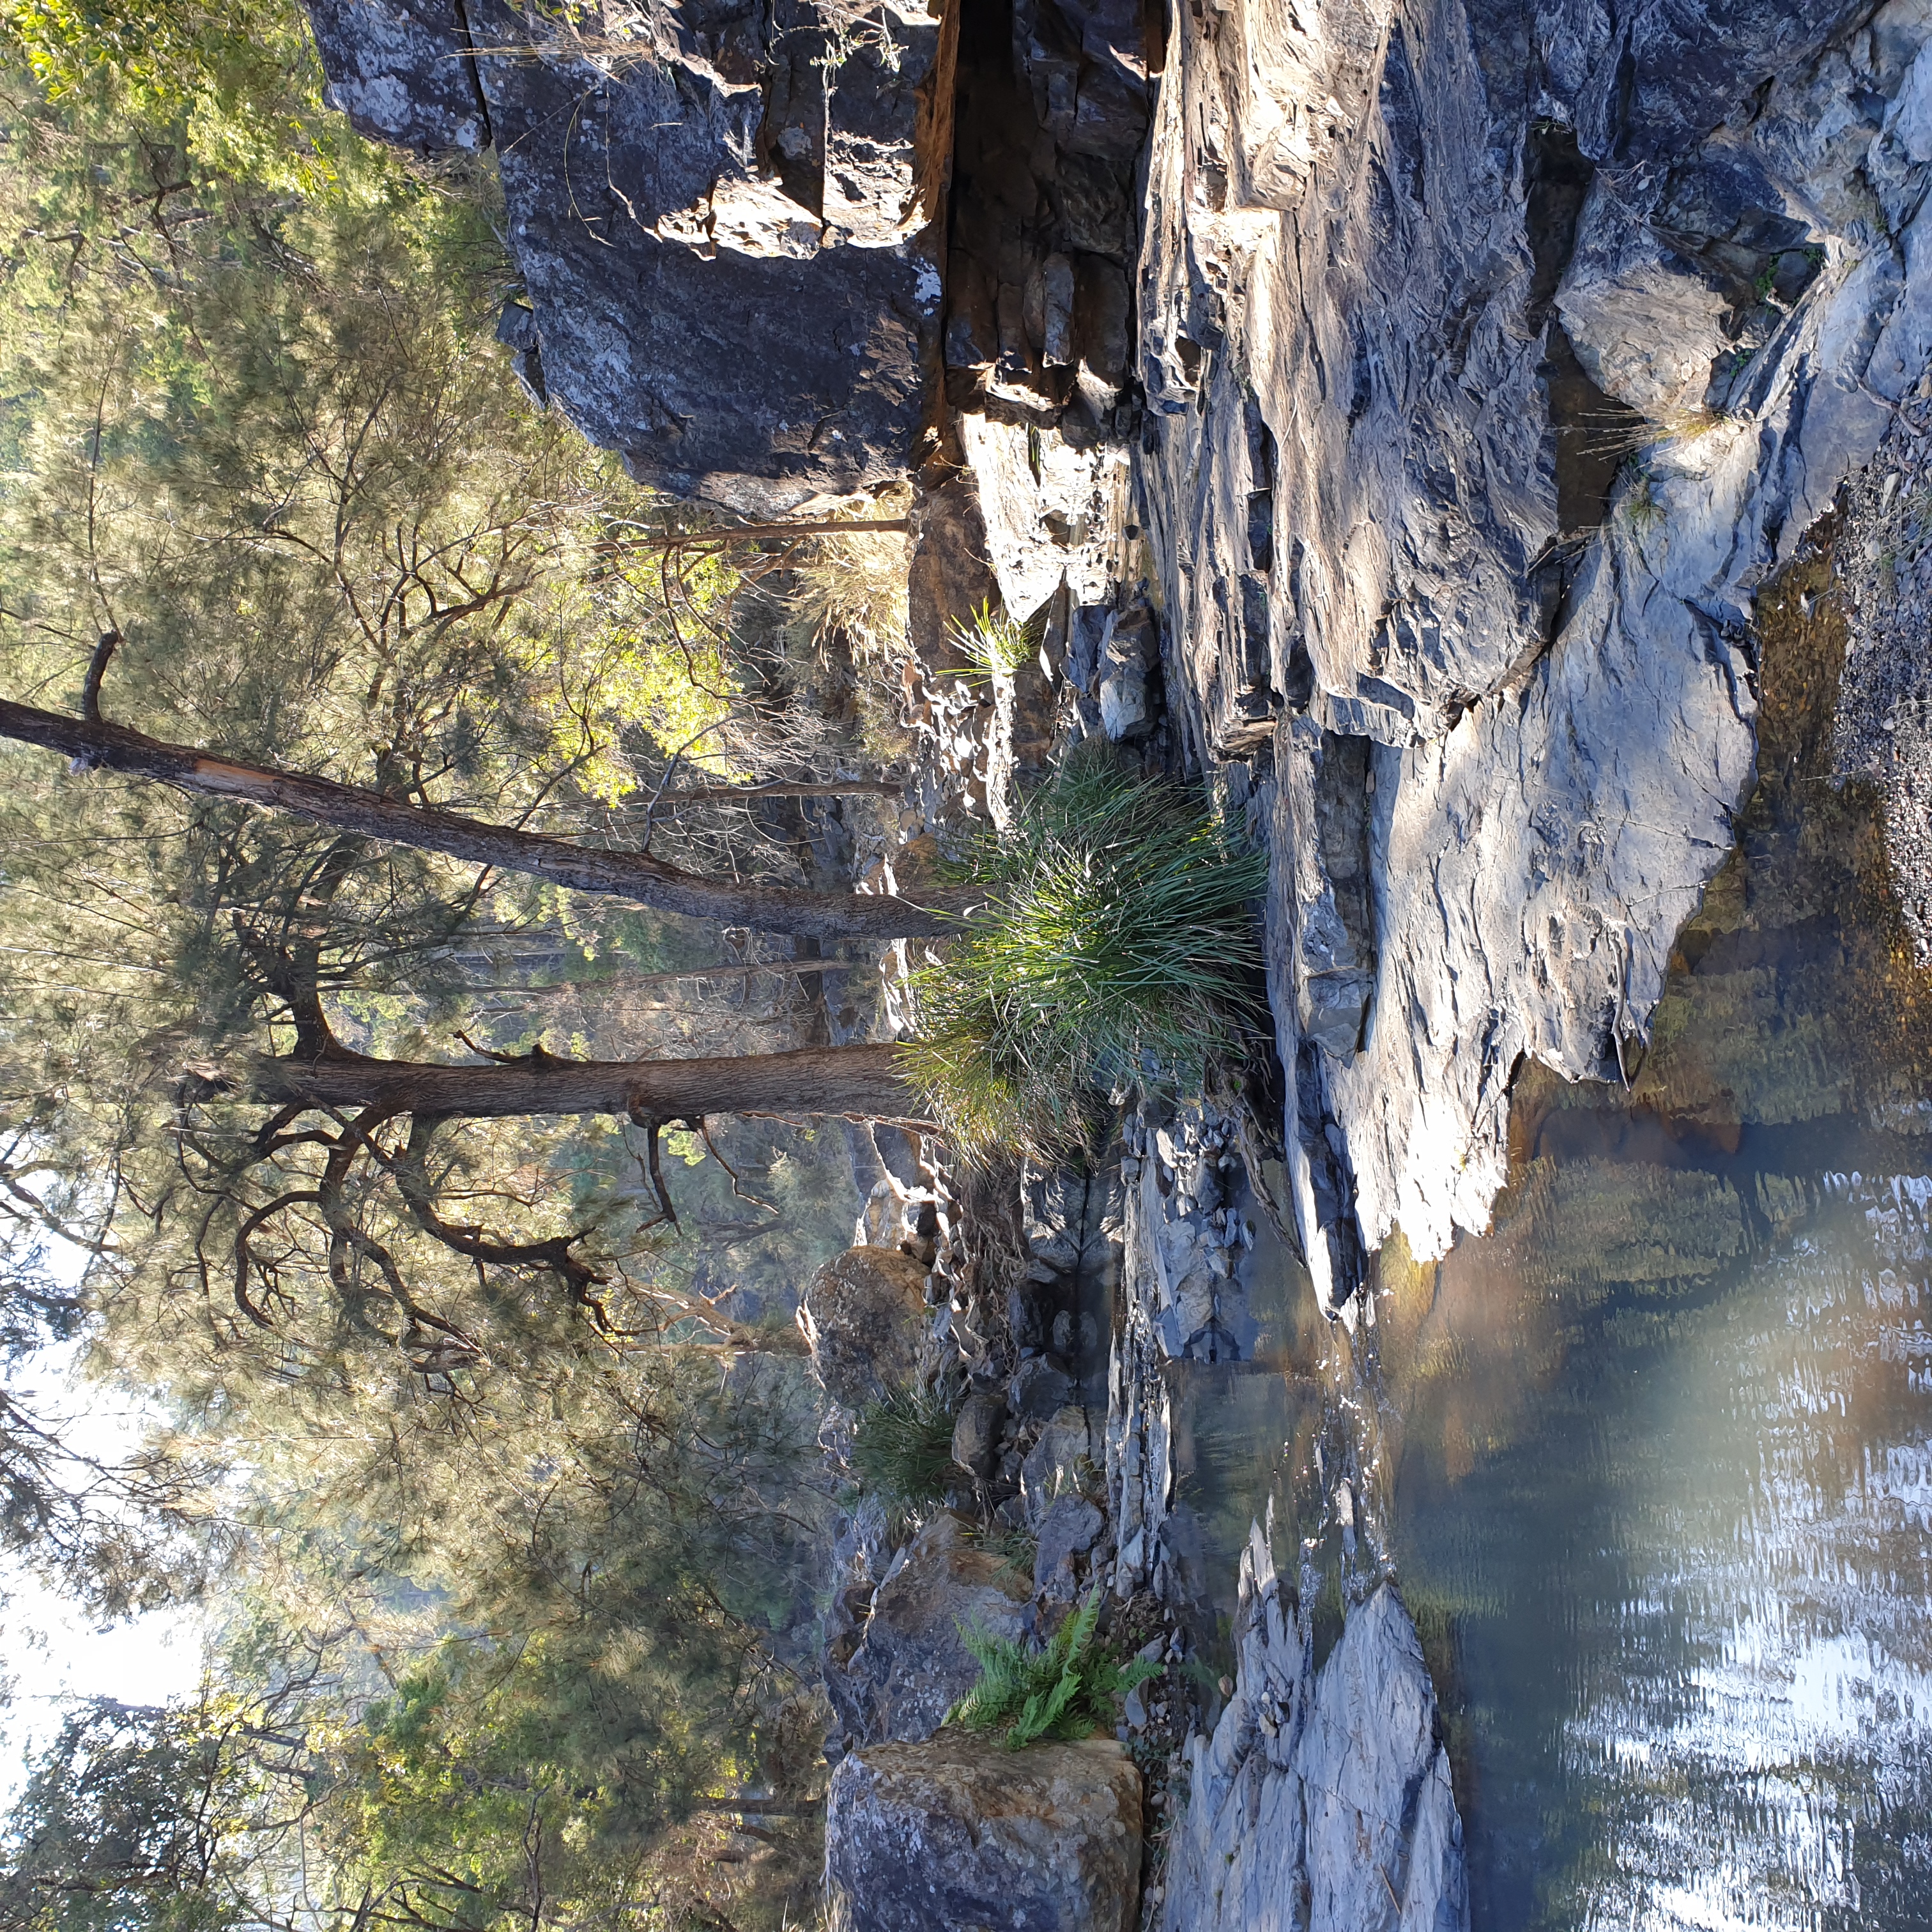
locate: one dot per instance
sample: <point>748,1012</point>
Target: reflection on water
<point>1692,1674</point>
<point>1663,1438</point>
<point>1652,1460</point>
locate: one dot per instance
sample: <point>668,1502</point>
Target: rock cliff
<point>1493,354</point>
<point>743,269</point>
<point>729,217</point>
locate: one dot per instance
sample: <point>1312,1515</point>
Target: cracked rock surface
<point>962,1832</point>
<point>1494,354</point>
<point>1322,1799</point>
<point>728,220</point>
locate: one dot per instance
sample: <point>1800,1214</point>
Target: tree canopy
<point>508,1561</point>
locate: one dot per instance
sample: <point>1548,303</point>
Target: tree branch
<point>636,876</point>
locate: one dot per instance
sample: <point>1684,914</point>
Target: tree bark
<point>859,1082</point>
<point>635,876</point>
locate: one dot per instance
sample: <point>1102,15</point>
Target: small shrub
<point>1118,945</point>
<point>1065,1690</point>
<point>1641,505</point>
<point>1017,1548</point>
<point>902,1449</point>
<point>854,580</point>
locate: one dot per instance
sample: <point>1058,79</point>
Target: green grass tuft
<point>1065,1690</point>
<point>902,1449</point>
<point>995,644</point>
<point>1117,946</point>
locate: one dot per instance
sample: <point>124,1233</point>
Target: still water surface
<point>1669,1541</point>
<point>1685,1583</point>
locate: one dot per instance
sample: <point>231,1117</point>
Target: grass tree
<point>1116,944</point>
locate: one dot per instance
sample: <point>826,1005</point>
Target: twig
<point>653,1169</point>
<point>711,1148</point>
<point>774,532</point>
<point>782,788</point>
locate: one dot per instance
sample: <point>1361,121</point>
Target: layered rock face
<point>1494,354</point>
<point>729,217</point>
<point>1322,1800</point>
<point>1052,114</point>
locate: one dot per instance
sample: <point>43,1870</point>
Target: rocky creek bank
<point>1063,1317</point>
<point>1389,413</point>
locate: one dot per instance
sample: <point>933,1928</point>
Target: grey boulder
<point>963,1834</point>
<point>862,1316</point>
<point>976,1434</point>
<point>912,1665</point>
<point>1070,1529</point>
<point>1052,1466</point>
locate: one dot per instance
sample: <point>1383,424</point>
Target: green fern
<point>1064,1689</point>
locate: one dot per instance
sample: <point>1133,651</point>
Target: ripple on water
<point>1687,1582</point>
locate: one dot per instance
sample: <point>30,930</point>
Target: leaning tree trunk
<point>859,1082</point>
<point>635,876</point>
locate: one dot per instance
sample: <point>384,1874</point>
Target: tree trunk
<point>635,876</point>
<point>859,1082</point>
<point>823,527</point>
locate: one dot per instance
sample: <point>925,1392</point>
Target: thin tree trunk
<point>829,526</point>
<point>626,983</point>
<point>635,876</point>
<point>859,1082</point>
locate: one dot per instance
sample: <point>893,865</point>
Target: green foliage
<point>475,1667</point>
<point>237,89</point>
<point>252,432</point>
<point>120,1827</point>
<point>994,644</point>
<point>902,1448</point>
<point>1118,945</point>
<point>1065,1689</point>
<point>503,1597</point>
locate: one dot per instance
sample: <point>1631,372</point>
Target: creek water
<point>1667,1537</point>
<point>1677,1578</point>
<point>1651,1459</point>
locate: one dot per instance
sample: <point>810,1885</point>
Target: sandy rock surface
<point>863,1316</point>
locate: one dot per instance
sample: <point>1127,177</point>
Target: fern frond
<point>1064,1689</point>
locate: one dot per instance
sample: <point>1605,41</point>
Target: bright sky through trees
<point>53,1651</point>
